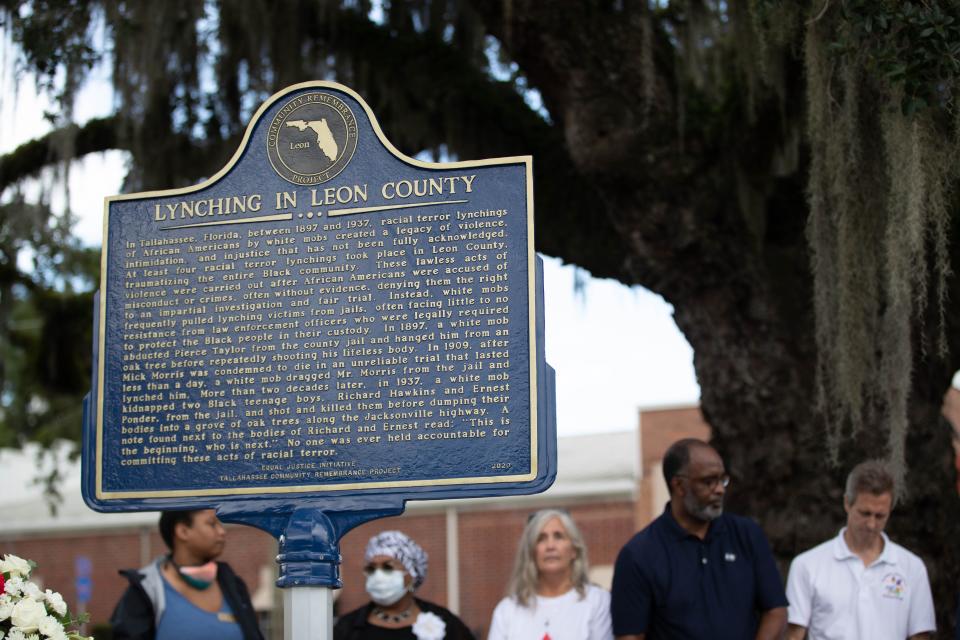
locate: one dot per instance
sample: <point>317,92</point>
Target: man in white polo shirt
<point>860,585</point>
<point>951,409</point>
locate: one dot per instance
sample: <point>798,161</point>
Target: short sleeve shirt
<point>567,617</point>
<point>835,596</point>
<point>183,620</point>
<point>670,584</point>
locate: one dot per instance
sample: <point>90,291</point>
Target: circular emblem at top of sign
<point>312,138</point>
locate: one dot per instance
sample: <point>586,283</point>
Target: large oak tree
<point>781,172</point>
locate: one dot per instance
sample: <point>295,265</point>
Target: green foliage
<point>912,45</point>
<point>59,37</point>
<point>197,69</point>
<point>46,285</point>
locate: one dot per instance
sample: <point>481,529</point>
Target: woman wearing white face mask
<point>395,566</point>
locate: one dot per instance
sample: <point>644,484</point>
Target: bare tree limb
<point>31,157</point>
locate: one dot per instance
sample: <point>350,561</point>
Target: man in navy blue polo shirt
<point>696,573</point>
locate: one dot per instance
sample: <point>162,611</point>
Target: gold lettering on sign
<point>206,207</point>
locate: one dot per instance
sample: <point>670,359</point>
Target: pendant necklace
<point>380,614</point>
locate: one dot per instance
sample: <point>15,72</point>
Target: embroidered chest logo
<point>894,586</point>
<point>730,557</point>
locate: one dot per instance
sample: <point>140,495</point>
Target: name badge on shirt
<point>226,617</point>
<point>894,586</point>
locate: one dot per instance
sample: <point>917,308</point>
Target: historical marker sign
<point>323,316</point>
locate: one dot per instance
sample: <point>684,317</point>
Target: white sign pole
<point>308,613</point>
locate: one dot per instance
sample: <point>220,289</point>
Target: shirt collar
<point>842,552</point>
<point>716,528</point>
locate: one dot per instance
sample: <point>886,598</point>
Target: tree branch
<point>31,157</point>
<point>426,93</point>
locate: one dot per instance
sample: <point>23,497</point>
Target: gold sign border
<point>532,314</point>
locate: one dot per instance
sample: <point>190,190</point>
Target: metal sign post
<point>308,613</point>
<point>321,331</point>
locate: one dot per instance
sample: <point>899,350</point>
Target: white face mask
<point>385,587</point>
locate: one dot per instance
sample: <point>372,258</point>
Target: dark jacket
<point>354,625</point>
<point>139,610</point>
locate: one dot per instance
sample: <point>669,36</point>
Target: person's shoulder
<point>647,548</point>
<point>133,614</point>
<point>505,612</point>
<point>597,594</point>
<point>133,576</point>
<point>351,618</point>
<point>135,588</point>
<point>226,573</point>
<point>745,534</point>
<point>809,563</point>
<point>743,526</point>
<point>432,607</point>
<point>822,551</point>
<point>907,557</point>
<point>649,536</point>
<point>143,578</point>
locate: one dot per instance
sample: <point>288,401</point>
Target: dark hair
<point>677,457</point>
<point>872,476</point>
<point>169,521</point>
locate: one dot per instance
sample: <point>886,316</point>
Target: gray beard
<point>702,512</point>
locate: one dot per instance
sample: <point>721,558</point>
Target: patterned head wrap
<point>400,547</point>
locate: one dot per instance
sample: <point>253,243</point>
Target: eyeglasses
<point>710,482</point>
<point>386,567</point>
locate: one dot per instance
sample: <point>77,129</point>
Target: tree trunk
<point>739,278</point>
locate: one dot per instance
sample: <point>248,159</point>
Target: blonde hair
<point>525,577</point>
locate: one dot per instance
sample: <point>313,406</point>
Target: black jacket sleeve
<point>235,591</point>
<point>132,618</point>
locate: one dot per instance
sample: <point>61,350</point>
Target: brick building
<point>610,483</point>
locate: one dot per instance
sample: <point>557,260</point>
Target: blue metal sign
<point>324,319</point>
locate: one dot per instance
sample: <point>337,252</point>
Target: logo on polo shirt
<point>730,557</point>
<point>894,586</point>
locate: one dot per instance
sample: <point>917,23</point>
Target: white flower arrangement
<point>26,612</point>
<point>429,626</point>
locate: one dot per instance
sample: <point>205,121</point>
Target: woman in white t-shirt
<point>549,597</point>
